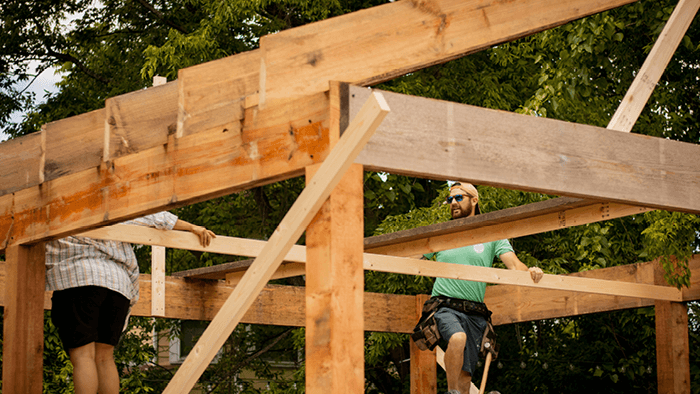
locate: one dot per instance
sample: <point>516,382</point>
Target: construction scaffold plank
<point>281,241</point>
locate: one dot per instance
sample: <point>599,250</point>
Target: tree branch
<point>160,16</point>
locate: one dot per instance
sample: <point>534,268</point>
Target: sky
<point>45,82</point>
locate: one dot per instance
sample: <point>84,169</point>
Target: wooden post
<point>423,363</point>
<point>335,291</point>
<point>23,344</point>
<point>672,344</point>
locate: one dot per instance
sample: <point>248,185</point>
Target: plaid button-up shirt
<point>80,261</point>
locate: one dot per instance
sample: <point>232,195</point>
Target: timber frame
<point>278,112</point>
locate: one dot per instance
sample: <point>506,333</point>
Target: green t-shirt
<point>480,255</point>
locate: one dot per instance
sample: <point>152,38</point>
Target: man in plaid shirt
<point>95,283</point>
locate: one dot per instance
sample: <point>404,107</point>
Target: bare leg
<point>457,379</point>
<point>84,368</point>
<point>106,369</point>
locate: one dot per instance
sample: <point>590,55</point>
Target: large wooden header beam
<point>444,140</point>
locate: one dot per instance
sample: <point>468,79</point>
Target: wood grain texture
<point>213,94</point>
<point>492,227</point>
<point>409,266</point>
<point>201,299</point>
<point>287,233</point>
<point>423,362</point>
<point>335,290</point>
<point>23,320</point>
<point>384,42</point>
<point>186,170</point>
<point>443,140</point>
<point>140,120</point>
<point>20,160</point>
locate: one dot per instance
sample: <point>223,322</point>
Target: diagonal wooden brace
<point>281,241</point>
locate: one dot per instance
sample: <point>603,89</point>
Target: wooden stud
<point>423,362</point>
<point>281,241</point>
<point>23,327</point>
<point>158,281</point>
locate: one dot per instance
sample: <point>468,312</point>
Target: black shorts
<point>451,321</point>
<point>89,314</point>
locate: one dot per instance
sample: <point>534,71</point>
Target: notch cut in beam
<point>288,231</point>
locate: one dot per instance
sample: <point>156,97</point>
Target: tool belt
<point>465,306</point>
<point>426,334</point>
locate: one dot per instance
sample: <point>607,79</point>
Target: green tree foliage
<point>578,72</point>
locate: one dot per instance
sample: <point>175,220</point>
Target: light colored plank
<point>284,305</point>
<point>649,75</point>
<point>443,140</point>
<point>140,120</point>
<point>186,240</point>
<point>281,241</point>
<point>20,163</point>
<point>23,324</point>
<point>408,266</point>
<point>212,95</point>
<point>196,168</point>
<point>158,281</point>
<point>384,42</point>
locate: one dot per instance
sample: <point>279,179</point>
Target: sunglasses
<point>458,198</point>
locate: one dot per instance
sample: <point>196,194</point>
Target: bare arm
<point>512,261</point>
<point>205,236</point>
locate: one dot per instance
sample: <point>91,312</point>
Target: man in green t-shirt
<point>463,331</point>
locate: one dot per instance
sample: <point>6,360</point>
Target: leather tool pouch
<point>426,334</point>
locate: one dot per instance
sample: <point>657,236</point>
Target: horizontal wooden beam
<point>407,266</point>
<point>194,168</point>
<point>513,304</point>
<point>403,265</point>
<point>444,140</point>
<point>284,305</point>
<point>537,218</point>
<point>387,41</point>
